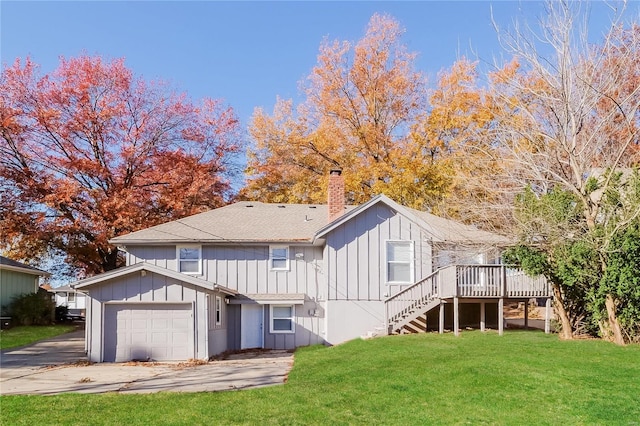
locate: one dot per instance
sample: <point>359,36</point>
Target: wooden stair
<point>414,320</point>
<point>412,302</point>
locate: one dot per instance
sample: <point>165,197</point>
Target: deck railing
<point>470,281</point>
<point>490,281</point>
<point>520,284</point>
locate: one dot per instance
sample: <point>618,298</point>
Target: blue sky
<point>246,53</point>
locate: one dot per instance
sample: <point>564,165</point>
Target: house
<point>17,279</point>
<point>280,276</point>
<point>73,299</point>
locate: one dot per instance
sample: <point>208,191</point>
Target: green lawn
<point>517,379</point>
<point>23,335</point>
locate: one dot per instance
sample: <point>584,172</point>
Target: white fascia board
<point>363,207</point>
<point>116,273</point>
<point>25,270</point>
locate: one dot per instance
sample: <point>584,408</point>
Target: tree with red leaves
<point>91,151</point>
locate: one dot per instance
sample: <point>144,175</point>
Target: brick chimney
<point>335,194</point>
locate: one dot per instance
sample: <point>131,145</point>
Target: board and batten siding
<point>355,254</point>
<point>148,288</point>
<point>245,268</point>
<point>356,271</point>
<point>309,327</point>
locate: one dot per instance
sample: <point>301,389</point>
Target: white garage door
<point>159,332</point>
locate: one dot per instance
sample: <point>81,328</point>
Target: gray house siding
<point>14,284</point>
<point>309,327</point>
<point>353,270</point>
<point>233,333</point>
<point>217,341</point>
<point>245,268</point>
<point>163,256</point>
<point>349,319</point>
<point>145,290</point>
<point>217,337</point>
<point>356,254</point>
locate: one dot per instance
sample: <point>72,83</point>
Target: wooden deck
<point>456,282</point>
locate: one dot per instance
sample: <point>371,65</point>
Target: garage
<point>146,312</point>
<point>158,332</point>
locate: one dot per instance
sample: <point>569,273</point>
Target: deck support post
<point>526,315</point>
<point>482,316</point>
<point>501,316</point>
<point>456,316</point>
<point>547,316</point>
<point>441,318</point>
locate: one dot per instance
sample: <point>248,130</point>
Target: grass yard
<point>519,378</point>
<point>23,335</point>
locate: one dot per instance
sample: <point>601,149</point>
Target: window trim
<point>272,258</point>
<point>179,260</point>
<point>411,262</point>
<point>292,318</point>
<point>217,311</point>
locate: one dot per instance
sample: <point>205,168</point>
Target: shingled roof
<point>239,222</point>
<point>287,223</point>
<point>14,265</point>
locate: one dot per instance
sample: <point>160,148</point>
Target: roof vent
<point>249,205</point>
<point>281,207</point>
<point>312,207</point>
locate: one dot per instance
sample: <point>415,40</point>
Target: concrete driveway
<point>59,365</point>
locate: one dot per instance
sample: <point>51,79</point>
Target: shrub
<point>32,309</point>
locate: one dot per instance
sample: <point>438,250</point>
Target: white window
<point>279,258</point>
<point>400,262</point>
<point>218,312</point>
<point>282,319</point>
<point>71,298</point>
<point>189,259</point>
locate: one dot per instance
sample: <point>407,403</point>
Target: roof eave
<point>144,266</point>
<point>31,271</point>
<point>381,198</point>
<point>124,244</point>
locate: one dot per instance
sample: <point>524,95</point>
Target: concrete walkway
<point>59,365</point>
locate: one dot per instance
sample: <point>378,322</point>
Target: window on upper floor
<point>71,297</point>
<point>282,319</point>
<point>279,258</point>
<point>400,262</point>
<point>190,259</point>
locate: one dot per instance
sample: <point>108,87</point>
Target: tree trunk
<point>567,330</point>
<point>614,329</point>
<point>110,260</point>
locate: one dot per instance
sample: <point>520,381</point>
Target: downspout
<point>206,315</point>
<point>194,323</point>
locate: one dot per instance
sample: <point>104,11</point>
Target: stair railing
<point>409,299</point>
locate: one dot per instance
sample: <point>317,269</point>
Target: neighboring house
<point>73,299</point>
<point>17,279</point>
<point>280,276</point>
